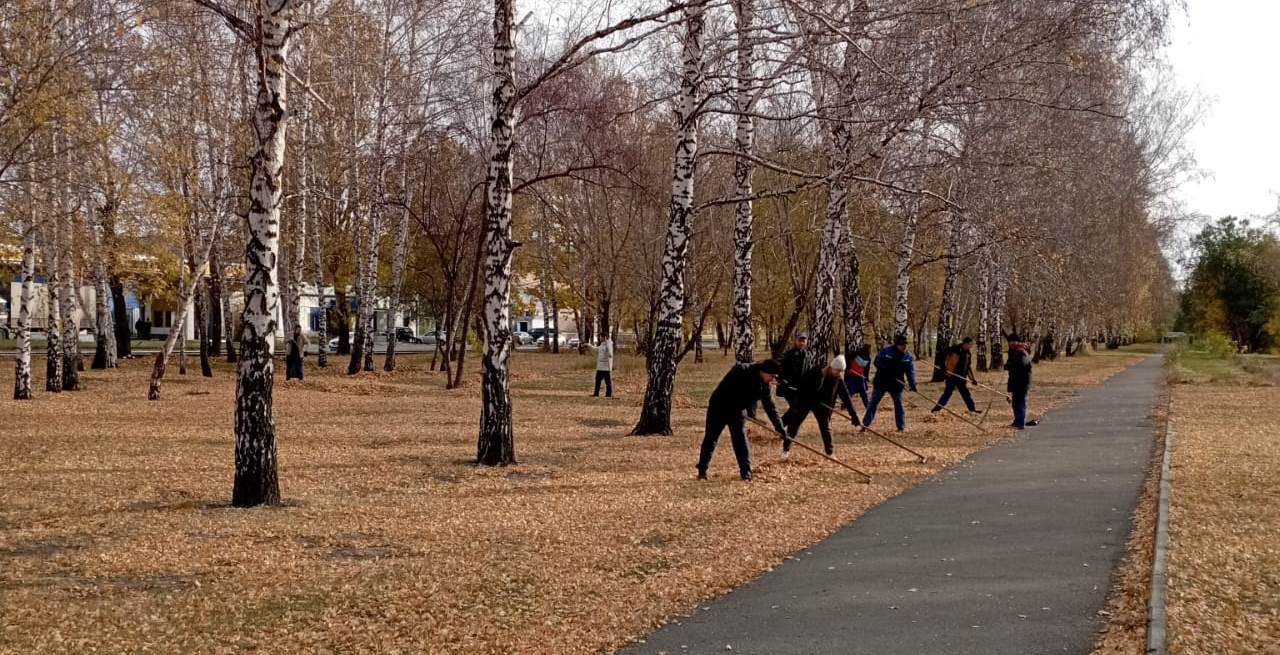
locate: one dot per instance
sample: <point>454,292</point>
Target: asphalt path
<point>1010,551</point>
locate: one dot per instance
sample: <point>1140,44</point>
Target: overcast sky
<point>1228,49</point>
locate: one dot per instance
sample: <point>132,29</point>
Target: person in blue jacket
<point>895,370</point>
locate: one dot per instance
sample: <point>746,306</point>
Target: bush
<point>1217,345</point>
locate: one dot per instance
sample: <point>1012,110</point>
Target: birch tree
<point>22,361</point>
<point>662,357</point>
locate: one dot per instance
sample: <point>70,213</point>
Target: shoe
<point>935,410</point>
<point>702,475</point>
<point>830,452</point>
<point>1017,427</point>
<point>786,455</point>
<point>746,477</point>
<point>975,411</point>
<point>1032,424</point>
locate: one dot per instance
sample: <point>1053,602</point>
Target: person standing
<point>855,379</point>
<point>817,393</point>
<point>742,387</point>
<point>957,362</point>
<point>895,370</point>
<point>296,350</point>
<point>793,366</point>
<point>604,367</point>
<point>1018,365</point>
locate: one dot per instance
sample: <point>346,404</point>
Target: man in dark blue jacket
<point>895,367</point>
<point>742,387</point>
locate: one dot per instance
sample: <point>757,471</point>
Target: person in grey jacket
<point>604,367</point>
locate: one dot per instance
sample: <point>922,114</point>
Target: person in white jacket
<point>604,367</point>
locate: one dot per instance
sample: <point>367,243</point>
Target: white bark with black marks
<point>743,168</point>
<point>838,144</point>
<point>947,311</point>
<point>496,443</point>
<point>984,315</point>
<point>50,255</point>
<point>104,355</point>
<point>69,300</point>
<point>22,361</point>
<point>904,256</point>
<point>662,356</point>
<point>397,270</point>
<point>256,481</point>
<point>999,290</point>
<point>852,288</point>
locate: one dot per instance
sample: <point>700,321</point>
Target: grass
<point>1224,563</point>
<point>115,534</point>
<point>1189,365</point>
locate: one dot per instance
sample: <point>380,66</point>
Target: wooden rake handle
<point>837,412</point>
<point>819,453</point>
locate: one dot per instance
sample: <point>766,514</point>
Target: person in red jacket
<point>855,377</point>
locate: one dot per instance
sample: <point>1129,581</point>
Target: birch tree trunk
<point>213,296</point>
<point>22,362</point>
<point>69,301</point>
<point>119,312</point>
<point>357,341</point>
<point>53,306</point>
<point>397,270</point>
<point>256,481</point>
<point>998,291</point>
<point>852,288</point>
<point>947,311</point>
<point>496,443</point>
<point>902,276</point>
<point>820,334</point>
<point>322,317</point>
<point>743,168</point>
<point>662,357</point>
<point>104,354</point>
<point>228,319</point>
<point>984,315</point>
<point>839,142</point>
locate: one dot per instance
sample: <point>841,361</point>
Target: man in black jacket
<point>742,387</point>
<point>817,393</point>
<point>793,366</point>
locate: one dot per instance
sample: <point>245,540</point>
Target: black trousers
<point>607,378</point>
<point>794,418</point>
<point>292,367</point>
<point>716,423</point>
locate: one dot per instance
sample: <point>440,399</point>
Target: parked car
<point>540,336</point>
<point>574,343</point>
<point>406,335</point>
<point>523,338</point>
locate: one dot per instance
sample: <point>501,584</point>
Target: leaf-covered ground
<point>116,536</point>
<point>1224,530</point>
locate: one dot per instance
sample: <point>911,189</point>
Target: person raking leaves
<point>895,369</point>
<point>742,387</point>
<point>817,392</point>
<point>957,364</point>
